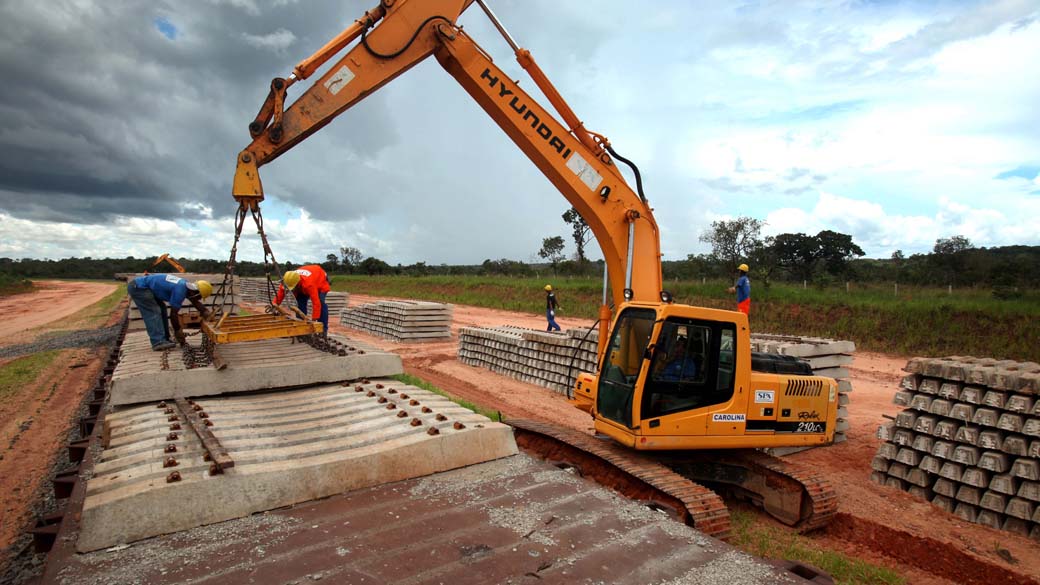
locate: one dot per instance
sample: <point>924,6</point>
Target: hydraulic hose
<point>635,169</point>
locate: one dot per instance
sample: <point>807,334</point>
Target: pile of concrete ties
<point>968,440</point>
<point>254,290</point>
<point>337,302</point>
<point>827,357</point>
<point>188,312</point>
<point>405,321</point>
<point>550,360</point>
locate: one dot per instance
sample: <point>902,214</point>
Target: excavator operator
<point>309,284</point>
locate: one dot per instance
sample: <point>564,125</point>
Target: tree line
<point>824,258</point>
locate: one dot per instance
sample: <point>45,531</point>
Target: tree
<point>351,258</point>
<point>331,261</point>
<point>733,240</point>
<point>802,254</point>
<point>950,246</point>
<point>836,250</point>
<point>372,266</point>
<point>580,231</point>
<point>950,255</point>
<point>552,250</point>
<point>797,253</point>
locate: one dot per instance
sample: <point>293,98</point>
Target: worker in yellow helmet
<point>151,294</point>
<point>551,306</point>
<point>743,290</point>
<point>309,285</point>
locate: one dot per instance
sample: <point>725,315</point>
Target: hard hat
<point>205,288</point>
<point>291,278</point>
<point>742,268</point>
<point>548,288</point>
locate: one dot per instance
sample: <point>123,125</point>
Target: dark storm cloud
<point>105,113</point>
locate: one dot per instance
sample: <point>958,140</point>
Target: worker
<point>551,306</point>
<point>309,284</point>
<point>680,365</point>
<point>743,290</point>
<point>153,292</point>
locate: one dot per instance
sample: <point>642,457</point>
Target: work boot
<point>164,345</point>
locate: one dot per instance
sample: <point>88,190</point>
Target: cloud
<point>276,41</point>
<point>880,232</point>
<point>902,111</point>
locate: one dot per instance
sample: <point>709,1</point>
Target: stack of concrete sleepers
<point>827,357</point>
<point>550,360</point>
<point>337,302</point>
<point>188,312</point>
<point>968,440</point>
<point>407,321</point>
<point>254,290</point>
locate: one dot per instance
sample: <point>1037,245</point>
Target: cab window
<point>622,363</point>
<point>692,367</point>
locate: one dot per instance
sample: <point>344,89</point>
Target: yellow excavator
<point>672,428</point>
<point>166,258</point>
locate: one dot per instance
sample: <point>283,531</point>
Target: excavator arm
<point>397,35</point>
<point>628,404</point>
<point>166,258</point>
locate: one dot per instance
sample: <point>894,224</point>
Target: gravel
<point>64,340</point>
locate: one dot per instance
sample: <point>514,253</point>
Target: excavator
<point>166,258</point>
<point>663,432</point>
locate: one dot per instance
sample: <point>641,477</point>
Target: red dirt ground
<point>50,300</point>
<point>875,523</point>
<point>883,525</point>
<point>35,418</point>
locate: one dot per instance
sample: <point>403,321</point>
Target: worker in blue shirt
<point>151,294</point>
<point>743,290</point>
<point>551,306</point>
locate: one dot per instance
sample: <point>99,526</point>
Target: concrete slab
<point>512,520</point>
<point>144,375</point>
<point>288,447</point>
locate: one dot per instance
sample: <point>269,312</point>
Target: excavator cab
<point>680,377</point>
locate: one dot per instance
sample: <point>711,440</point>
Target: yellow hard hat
<point>743,268</point>
<point>205,288</point>
<point>548,288</point>
<point>291,279</point>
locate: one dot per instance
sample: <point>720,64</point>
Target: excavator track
<point>791,494</point>
<point>629,472</point>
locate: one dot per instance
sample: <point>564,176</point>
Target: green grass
<point>97,314</point>
<point>420,383</point>
<point>13,285</point>
<point>917,321</point>
<point>21,371</point>
<point>772,542</point>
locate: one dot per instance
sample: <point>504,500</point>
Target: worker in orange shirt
<point>309,284</point>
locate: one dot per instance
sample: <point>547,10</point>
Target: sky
<point>895,122</point>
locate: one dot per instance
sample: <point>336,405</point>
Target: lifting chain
<point>321,342</point>
<point>198,357</point>
<point>227,286</point>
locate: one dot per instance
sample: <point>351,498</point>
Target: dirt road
<point>50,301</point>
<point>880,524</point>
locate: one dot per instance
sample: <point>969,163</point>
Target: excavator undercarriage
<point>679,482</point>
